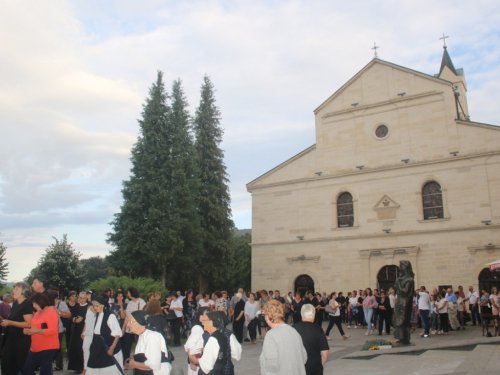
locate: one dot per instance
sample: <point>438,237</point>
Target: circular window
<point>382,131</point>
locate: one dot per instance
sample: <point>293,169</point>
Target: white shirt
<point>353,301</point>
<point>335,305</point>
<point>152,344</point>
<point>392,300</point>
<point>423,301</point>
<point>177,303</point>
<point>442,306</point>
<point>472,297</point>
<point>113,325</point>
<point>202,303</point>
<point>211,351</point>
<point>195,341</point>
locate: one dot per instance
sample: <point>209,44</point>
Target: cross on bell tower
<point>374,48</point>
<point>444,40</point>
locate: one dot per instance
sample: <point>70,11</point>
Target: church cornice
<point>383,103</point>
<point>367,170</point>
<point>357,236</point>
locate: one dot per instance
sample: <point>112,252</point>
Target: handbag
<point>330,310</point>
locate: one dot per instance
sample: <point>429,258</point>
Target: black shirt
<point>17,315</point>
<point>341,301</point>
<point>314,341</point>
<point>280,299</point>
<point>313,302</point>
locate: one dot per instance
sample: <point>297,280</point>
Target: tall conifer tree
<point>157,232</point>
<point>140,230</point>
<point>213,200</point>
<point>184,219</point>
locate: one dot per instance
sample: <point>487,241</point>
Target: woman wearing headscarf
<point>75,350</point>
<point>106,356</point>
<point>194,343</point>
<point>44,332</point>
<point>88,332</point>
<point>214,359</point>
<point>151,356</point>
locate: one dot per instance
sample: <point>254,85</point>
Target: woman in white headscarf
<point>151,355</point>
<point>106,356</point>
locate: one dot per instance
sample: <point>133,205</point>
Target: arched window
<point>345,210</point>
<point>432,201</point>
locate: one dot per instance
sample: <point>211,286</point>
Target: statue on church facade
<point>405,287</point>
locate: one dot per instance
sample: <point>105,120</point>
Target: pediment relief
<point>386,209</point>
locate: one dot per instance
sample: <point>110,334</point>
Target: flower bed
<point>376,344</point>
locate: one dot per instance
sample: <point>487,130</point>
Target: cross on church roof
<point>374,48</point>
<point>444,40</point>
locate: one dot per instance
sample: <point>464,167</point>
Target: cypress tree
<point>213,200</point>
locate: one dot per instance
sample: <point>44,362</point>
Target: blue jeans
<point>474,311</point>
<point>354,315</point>
<point>435,322</point>
<point>424,314</point>
<point>41,359</point>
<point>368,318</point>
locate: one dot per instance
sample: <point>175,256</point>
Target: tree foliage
<point>156,234</point>
<point>213,200</point>
<point>241,271</point>
<point>61,266</point>
<point>4,266</point>
<point>96,268</point>
<point>143,285</point>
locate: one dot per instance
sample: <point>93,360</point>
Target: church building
<point>399,171</point>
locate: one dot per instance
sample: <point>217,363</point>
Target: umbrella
<point>494,265</point>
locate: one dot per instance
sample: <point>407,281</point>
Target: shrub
<point>143,285</point>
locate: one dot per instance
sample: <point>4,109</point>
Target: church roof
<point>446,61</point>
<point>285,163</point>
<point>374,61</point>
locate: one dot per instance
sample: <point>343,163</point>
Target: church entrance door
<point>387,277</point>
<point>303,283</point>
<point>488,279</point>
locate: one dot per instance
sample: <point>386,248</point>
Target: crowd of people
<point>101,328</point>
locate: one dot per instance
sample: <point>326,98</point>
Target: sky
<point>75,74</point>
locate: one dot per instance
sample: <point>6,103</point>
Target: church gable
<point>379,82</point>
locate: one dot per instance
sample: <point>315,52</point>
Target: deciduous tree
<point>61,266</point>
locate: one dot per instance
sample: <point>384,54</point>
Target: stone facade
<point>429,137</point>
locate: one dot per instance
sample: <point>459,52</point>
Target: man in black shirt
<point>39,286</point>
<point>314,341</point>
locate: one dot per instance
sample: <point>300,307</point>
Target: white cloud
<point>73,76</point>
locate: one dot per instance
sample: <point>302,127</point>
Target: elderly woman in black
<point>17,344</point>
